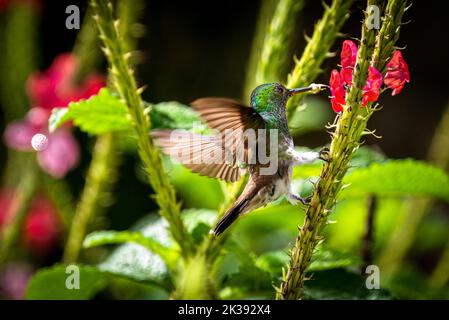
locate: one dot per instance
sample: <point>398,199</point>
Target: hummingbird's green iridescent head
<point>269,97</point>
<point>272,97</point>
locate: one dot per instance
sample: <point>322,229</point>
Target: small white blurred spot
<point>39,142</point>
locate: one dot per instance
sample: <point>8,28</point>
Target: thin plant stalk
<point>19,38</point>
<point>125,84</point>
<point>349,129</point>
<point>270,56</point>
<point>18,209</point>
<point>100,177</point>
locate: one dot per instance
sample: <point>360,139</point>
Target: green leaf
<point>195,191</point>
<point>199,222</point>
<point>50,283</point>
<point>341,284</point>
<point>397,178</point>
<point>237,269</point>
<point>138,263</point>
<point>105,112</point>
<point>327,259</point>
<point>98,238</point>
<point>99,114</point>
<point>174,115</point>
<point>324,259</point>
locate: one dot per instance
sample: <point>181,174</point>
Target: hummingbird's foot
<point>324,154</point>
<point>294,199</point>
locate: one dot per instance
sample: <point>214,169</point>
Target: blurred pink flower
<point>52,88</point>
<point>56,87</point>
<point>42,227</point>
<point>14,280</point>
<point>61,155</point>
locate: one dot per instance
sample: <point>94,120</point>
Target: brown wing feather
<point>225,114</point>
<point>188,148</point>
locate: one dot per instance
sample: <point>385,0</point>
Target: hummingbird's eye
<point>279,90</point>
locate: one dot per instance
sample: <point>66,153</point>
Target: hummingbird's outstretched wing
<point>201,154</point>
<point>218,156</point>
<point>224,113</point>
<point>237,124</point>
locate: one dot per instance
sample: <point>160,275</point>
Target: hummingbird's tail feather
<point>244,204</point>
<point>230,216</point>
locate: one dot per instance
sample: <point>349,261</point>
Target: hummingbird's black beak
<point>314,88</point>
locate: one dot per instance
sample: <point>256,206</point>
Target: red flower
<point>397,73</point>
<point>338,91</point>
<point>56,88</point>
<point>42,227</point>
<point>348,57</point>
<point>371,90</point>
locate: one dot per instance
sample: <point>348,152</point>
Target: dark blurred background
<point>195,48</point>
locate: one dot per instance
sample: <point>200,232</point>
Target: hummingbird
<point>230,118</point>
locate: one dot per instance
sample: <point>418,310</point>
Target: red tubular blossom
<point>338,98</point>
<point>371,90</point>
<point>348,57</point>
<point>397,73</point>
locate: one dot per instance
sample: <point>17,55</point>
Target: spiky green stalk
<point>271,55</point>
<point>345,141</point>
<point>103,168</point>
<point>307,69</point>
<point>125,84</point>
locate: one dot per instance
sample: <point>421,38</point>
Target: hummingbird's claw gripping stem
<point>294,199</point>
<point>324,154</point>
<point>305,201</point>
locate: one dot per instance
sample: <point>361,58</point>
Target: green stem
<point>440,275</point>
<point>20,203</point>
<point>86,47</point>
<point>308,68</point>
<point>125,84</point>
<point>271,55</point>
<point>18,40</point>
<point>61,196</point>
<point>100,176</point>
<point>346,140</point>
